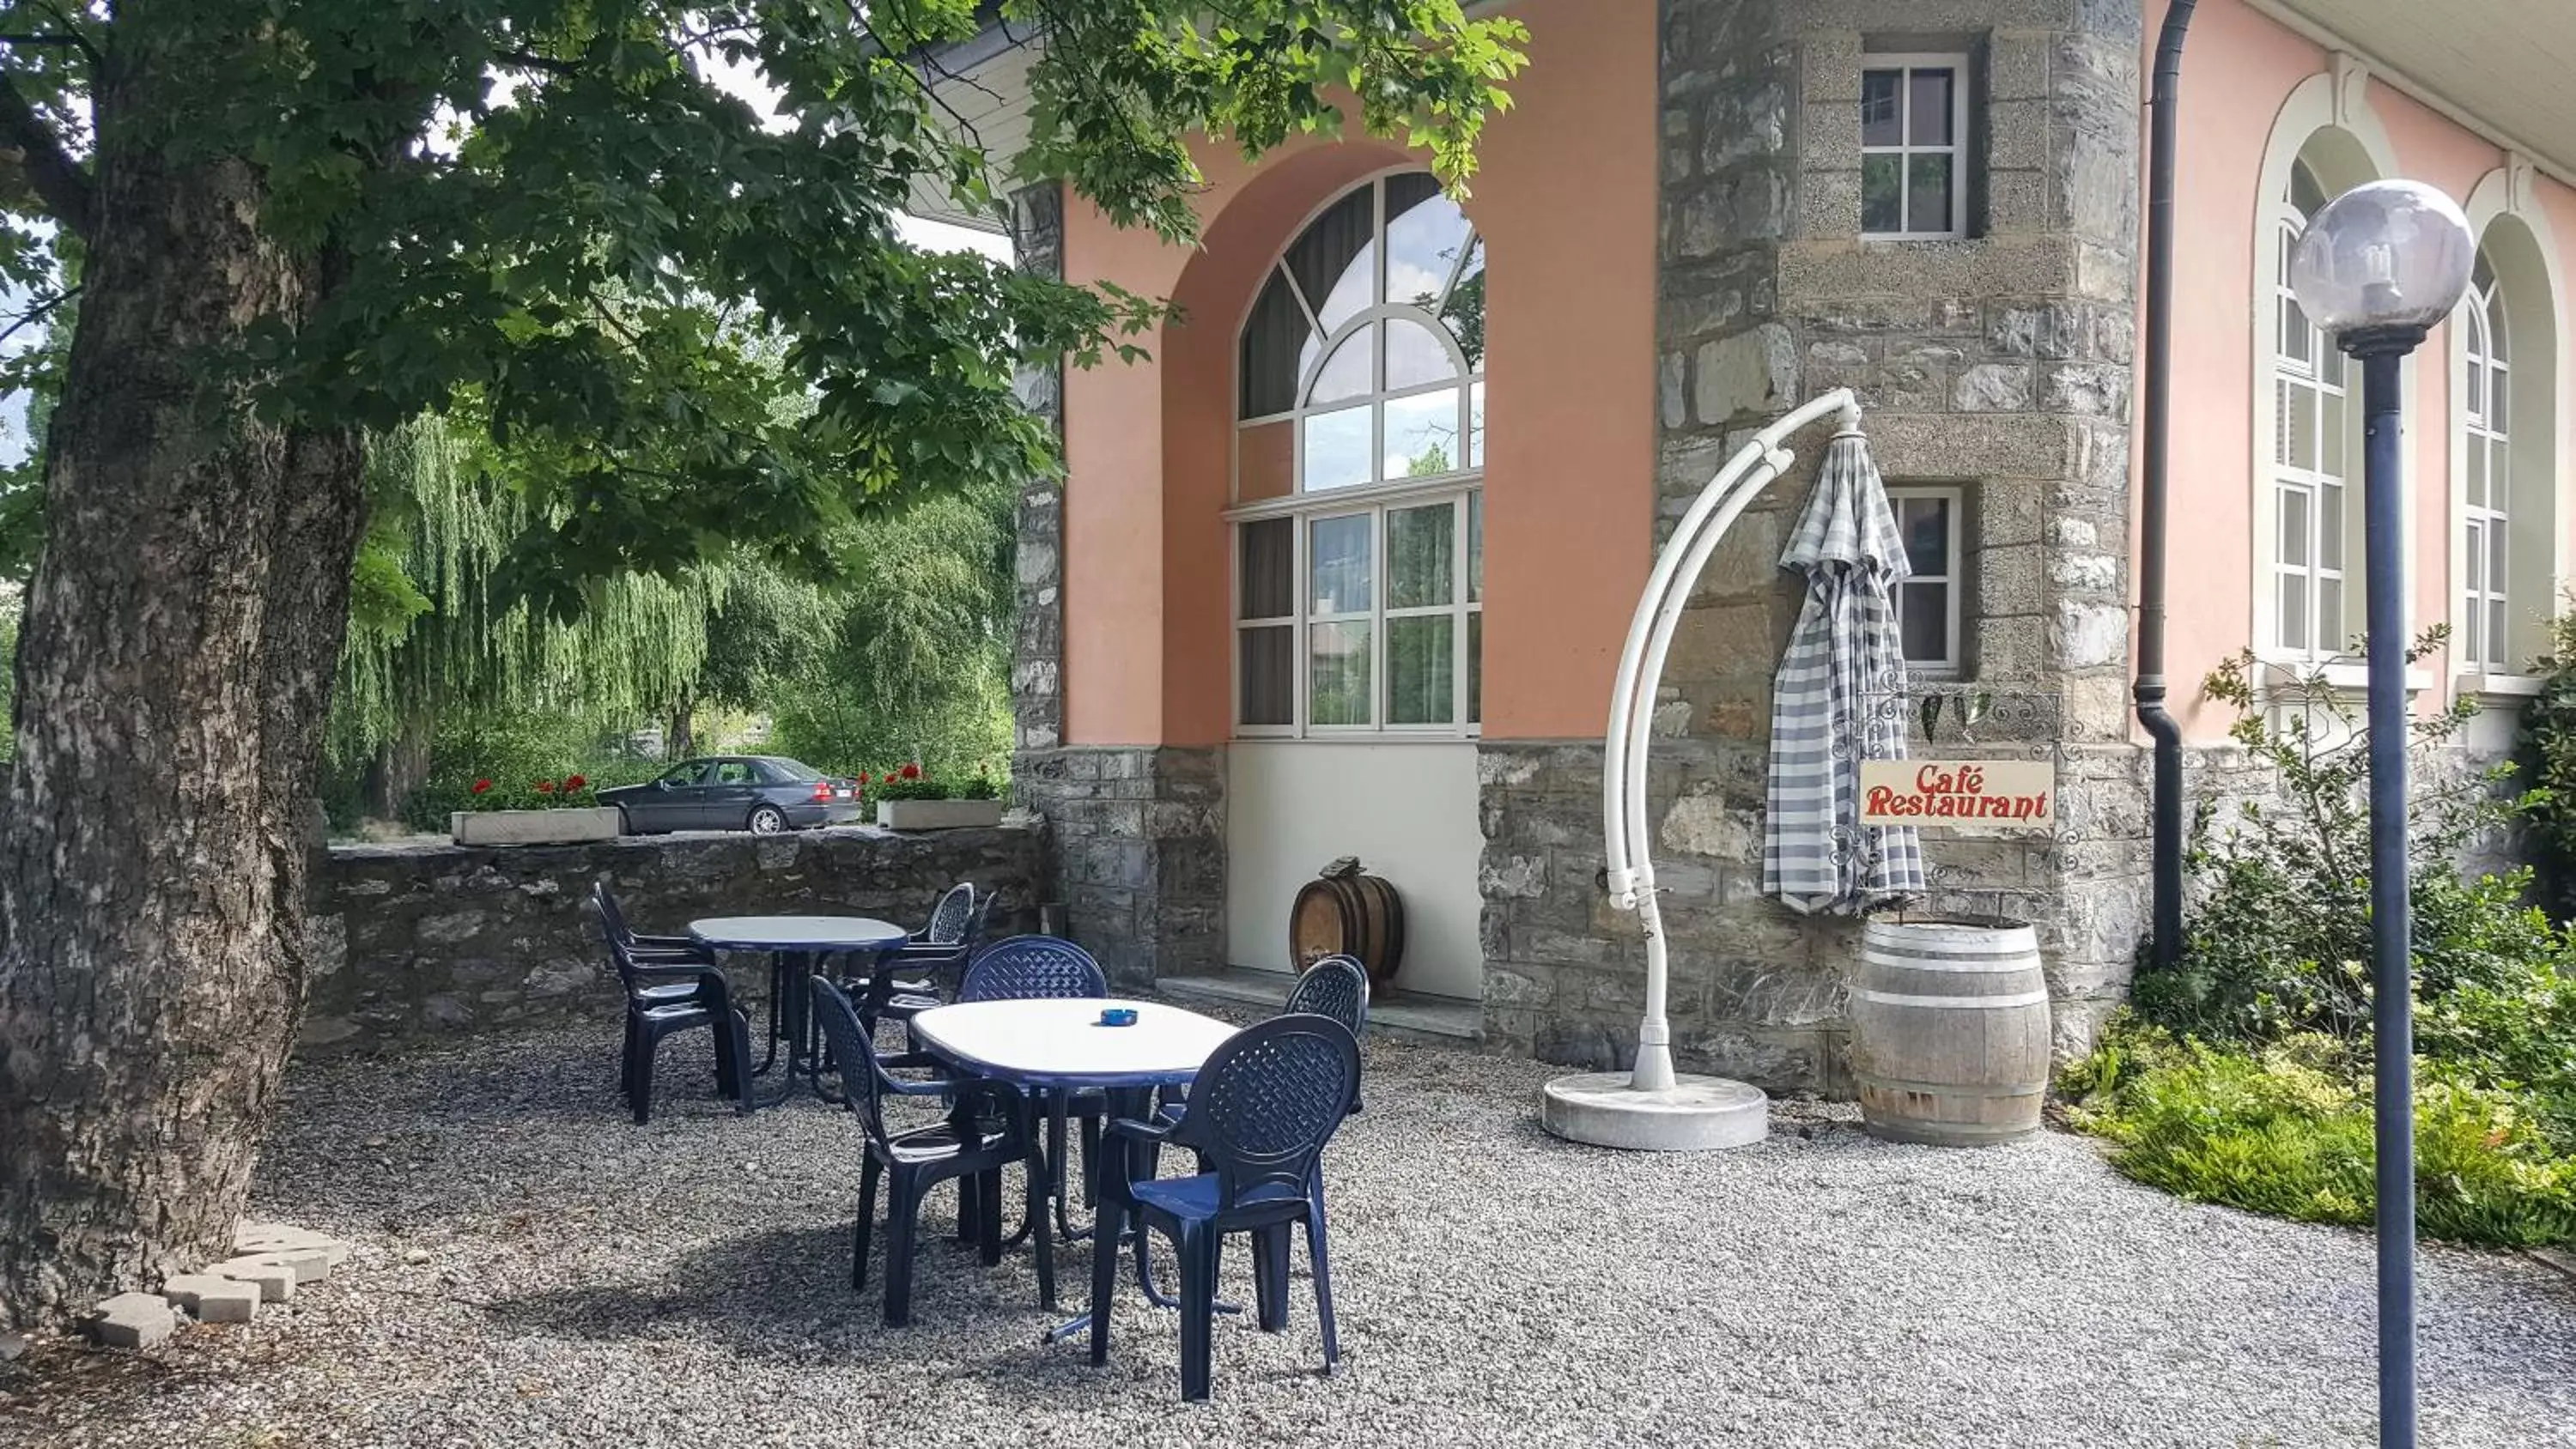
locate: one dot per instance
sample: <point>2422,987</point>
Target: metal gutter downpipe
<point>2154,493</point>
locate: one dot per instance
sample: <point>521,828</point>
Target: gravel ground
<point>532,1269</point>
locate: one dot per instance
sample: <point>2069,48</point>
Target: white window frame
<point>1465,602</point>
<point>1953,564</point>
<point>2287,371</point>
<point>1293,620</point>
<point>1469,380</point>
<point>2486,593</point>
<point>2328,122</point>
<point>1460,486</point>
<point>1906,149</point>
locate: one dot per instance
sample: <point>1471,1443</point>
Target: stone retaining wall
<point>427,939</point>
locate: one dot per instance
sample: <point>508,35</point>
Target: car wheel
<point>625,822</point>
<point>768,820</point>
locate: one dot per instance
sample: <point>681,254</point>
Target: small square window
<point>1913,141</point>
<point>1927,601</point>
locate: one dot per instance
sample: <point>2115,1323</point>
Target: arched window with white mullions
<point>2509,557</point>
<point>2486,478</point>
<point>2314,525</point>
<point>1359,447</point>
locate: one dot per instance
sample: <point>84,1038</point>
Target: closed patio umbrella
<point>1839,698</point>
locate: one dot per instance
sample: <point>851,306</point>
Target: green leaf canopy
<point>551,216</point>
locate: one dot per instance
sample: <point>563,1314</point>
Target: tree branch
<point>530,60</point>
<point>39,313</point>
<point>72,33</point>
<point>57,179</point>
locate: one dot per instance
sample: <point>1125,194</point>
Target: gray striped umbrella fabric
<point>1840,698</point>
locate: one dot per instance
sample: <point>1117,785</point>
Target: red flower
<point>912,772</point>
<point>545,787</point>
<point>575,783</point>
<point>863,777</point>
<point>482,785</point>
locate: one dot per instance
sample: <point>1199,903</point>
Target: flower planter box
<point>532,827</point>
<point>938,814</point>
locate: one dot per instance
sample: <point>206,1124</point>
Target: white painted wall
<point>1408,811</point>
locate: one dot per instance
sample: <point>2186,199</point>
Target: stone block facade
<point>1135,853</point>
<point>423,940</point>
<point>1037,653</point>
<point>1565,970</point>
<point>1998,364</point>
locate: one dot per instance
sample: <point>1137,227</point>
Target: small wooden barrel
<point>1355,915</point>
<point>1950,1037</point>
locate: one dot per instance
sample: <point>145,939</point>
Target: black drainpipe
<point>2150,688</point>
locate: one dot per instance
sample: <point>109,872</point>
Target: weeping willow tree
<point>904,655</point>
<point>436,636</point>
<point>893,647</point>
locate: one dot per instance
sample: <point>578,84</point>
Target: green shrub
<point>2546,747</point>
<point>2242,1076</point>
<point>2287,1131</point>
<point>2278,940</point>
<point>2509,1022</point>
<point>981,786</point>
<point>514,753</point>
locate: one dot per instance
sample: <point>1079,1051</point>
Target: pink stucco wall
<point>1566,204</point>
<point>2239,71</point>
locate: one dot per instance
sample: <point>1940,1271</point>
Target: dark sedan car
<point>763,794</point>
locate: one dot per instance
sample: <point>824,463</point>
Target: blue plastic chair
<point>1336,986</point>
<point>671,985</point>
<point>1034,968</point>
<point>1263,1107</point>
<point>985,1131</point>
<point>948,917</point>
<point>923,973</point>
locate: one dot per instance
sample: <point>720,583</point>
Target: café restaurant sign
<point>1987,794</point>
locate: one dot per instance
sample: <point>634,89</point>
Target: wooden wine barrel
<point>1356,915</point>
<point>1950,1037</point>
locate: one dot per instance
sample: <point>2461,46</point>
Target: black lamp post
<point>2377,268</point>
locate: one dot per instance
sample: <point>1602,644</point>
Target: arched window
<point>2509,542</point>
<point>1360,420</point>
<point>2486,420</point>
<point>2314,443</point>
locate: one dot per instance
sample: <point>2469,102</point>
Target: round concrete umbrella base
<point>1694,1114</point>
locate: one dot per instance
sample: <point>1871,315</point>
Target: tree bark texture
<point>400,767</point>
<point>174,673</point>
<point>682,740</point>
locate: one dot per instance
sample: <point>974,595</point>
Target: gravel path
<point>531,1269</point>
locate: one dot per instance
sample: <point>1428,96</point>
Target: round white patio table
<point>794,944</point>
<point>1059,1044</point>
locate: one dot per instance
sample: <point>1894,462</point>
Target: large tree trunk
<point>174,672</point>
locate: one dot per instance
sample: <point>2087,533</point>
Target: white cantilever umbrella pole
<point>1651,1106</point>
<point>1654,1070</point>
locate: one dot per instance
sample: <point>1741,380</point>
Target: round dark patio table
<point>794,945</point>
